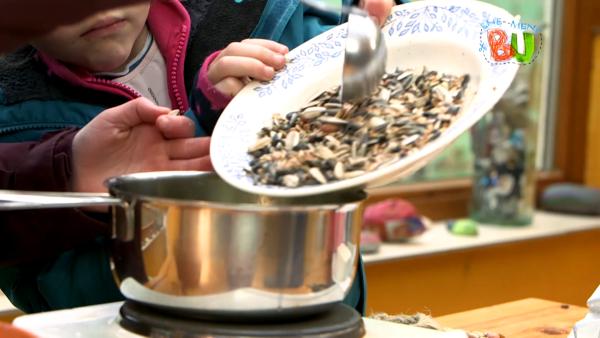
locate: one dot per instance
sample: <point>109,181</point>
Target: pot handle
<point>23,200</point>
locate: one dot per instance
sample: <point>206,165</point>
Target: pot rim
<point>353,197</point>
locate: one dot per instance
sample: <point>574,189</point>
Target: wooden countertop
<point>382,329</point>
<point>526,318</point>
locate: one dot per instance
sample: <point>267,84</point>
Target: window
<point>442,189</point>
<point>457,160</point>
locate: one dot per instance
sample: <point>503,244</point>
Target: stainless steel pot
<point>187,241</point>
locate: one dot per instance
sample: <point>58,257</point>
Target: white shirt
<point>146,73</point>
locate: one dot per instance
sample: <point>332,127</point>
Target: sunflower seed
<point>260,144</point>
<point>291,181</point>
<point>339,171</point>
<point>292,140</point>
<point>317,175</point>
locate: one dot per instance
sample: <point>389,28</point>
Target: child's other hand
<point>135,137</point>
<point>379,10</point>
<point>237,63</point>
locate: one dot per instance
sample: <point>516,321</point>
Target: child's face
<point>103,42</point>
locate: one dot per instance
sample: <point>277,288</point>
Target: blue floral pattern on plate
<point>463,21</point>
<point>316,54</point>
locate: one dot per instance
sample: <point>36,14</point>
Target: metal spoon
<point>365,53</point>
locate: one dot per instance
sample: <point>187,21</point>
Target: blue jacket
<point>57,271</point>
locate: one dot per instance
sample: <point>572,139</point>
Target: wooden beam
<point>580,20</point>
<point>592,171</point>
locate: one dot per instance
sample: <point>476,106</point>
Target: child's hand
<point>237,63</point>
<point>378,9</point>
<point>134,137</point>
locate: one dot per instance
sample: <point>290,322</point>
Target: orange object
<point>11,331</point>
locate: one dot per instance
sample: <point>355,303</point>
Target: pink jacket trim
<point>80,77</point>
<point>170,25</point>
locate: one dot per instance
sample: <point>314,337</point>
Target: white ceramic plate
<point>442,35</point>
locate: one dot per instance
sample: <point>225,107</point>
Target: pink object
<point>393,220</point>
<point>389,210</point>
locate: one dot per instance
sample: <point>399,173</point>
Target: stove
<point>340,321</point>
<point>131,319</point>
<point>110,320</point>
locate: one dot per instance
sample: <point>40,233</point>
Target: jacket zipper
<point>33,126</point>
<point>175,66</point>
<point>118,85</point>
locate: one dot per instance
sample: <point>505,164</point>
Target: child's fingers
<point>230,86</point>
<point>252,58</point>
<point>255,51</point>
<point>378,9</point>
<point>239,66</point>
<point>270,44</point>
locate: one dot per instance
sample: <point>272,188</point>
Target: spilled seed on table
<point>327,140</point>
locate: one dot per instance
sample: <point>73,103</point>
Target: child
<point>67,78</point>
<point>18,23</point>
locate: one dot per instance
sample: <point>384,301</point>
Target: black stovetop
<point>340,321</point>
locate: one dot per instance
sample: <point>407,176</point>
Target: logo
<point>510,41</point>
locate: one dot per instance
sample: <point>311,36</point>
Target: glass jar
<point>504,144</point>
